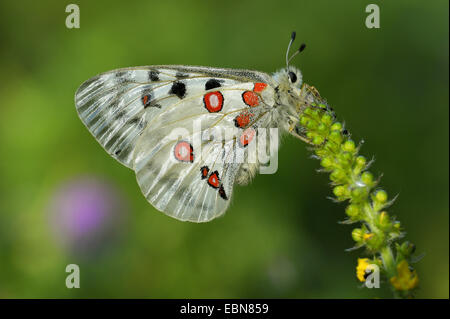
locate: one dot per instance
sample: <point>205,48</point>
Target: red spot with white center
<point>214,180</point>
<point>184,152</point>
<point>243,119</point>
<point>247,136</point>
<point>213,101</point>
<point>259,87</point>
<point>250,98</point>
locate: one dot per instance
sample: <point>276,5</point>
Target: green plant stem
<point>352,182</point>
<point>388,261</point>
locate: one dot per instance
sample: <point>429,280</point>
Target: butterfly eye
<point>292,77</point>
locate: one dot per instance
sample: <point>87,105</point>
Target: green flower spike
<point>378,233</point>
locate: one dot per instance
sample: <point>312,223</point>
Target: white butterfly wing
<point>196,191</point>
<point>115,106</point>
<point>197,185</point>
<point>132,112</point>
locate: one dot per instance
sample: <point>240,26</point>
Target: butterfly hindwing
<point>185,187</point>
<point>196,185</point>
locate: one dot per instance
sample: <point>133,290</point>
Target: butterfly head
<point>290,92</point>
<point>288,82</point>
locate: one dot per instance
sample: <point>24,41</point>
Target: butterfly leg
<point>302,138</point>
<point>292,130</point>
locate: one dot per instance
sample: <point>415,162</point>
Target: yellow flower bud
<point>367,236</point>
<point>349,146</point>
<point>363,263</point>
<point>336,126</point>
<point>381,196</point>
<point>405,279</point>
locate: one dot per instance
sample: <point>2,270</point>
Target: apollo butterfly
<point>146,118</point>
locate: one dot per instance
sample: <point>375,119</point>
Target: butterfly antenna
<point>302,47</point>
<point>289,48</point>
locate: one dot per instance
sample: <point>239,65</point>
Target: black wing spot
<point>153,75</point>
<point>222,192</point>
<point>120,74</point>
<point>211,84</point>
<point>118,152</point>
<point>179,89</point>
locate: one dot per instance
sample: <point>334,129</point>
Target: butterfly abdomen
<point>246,173</point>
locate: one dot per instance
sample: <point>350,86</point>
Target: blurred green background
<point>280,237</point>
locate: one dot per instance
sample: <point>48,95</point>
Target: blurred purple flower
<point>282,273</point>
<point>86,213</point>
